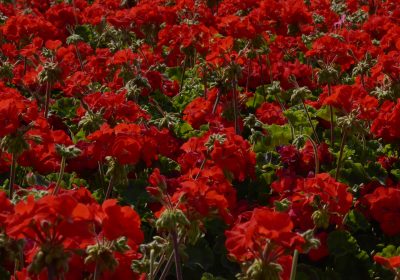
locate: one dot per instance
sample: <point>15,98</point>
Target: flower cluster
<point>204,139</point>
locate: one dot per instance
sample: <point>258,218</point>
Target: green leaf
<point>375,171</point>
<point>200,255</point>
<point>341,243</point>
<point>255,101</point>
<point>324,114</point>
<point>356,221</point>
<point>283,205</point>
<point>395,173</point>
<point>182,130</point>
<point>277,135</point>
<point>168,165</point>
<point>209,276</point>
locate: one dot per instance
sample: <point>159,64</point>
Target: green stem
<point>47,100</point>
<point>78,54</point>
<point>292,131</point>
<point>60,176</point>
<point>183,76</point>
<point>157,269</point>
<point>205,81</point>
<point>235,106</point>
<point>109,188</point>
<point>363,81</point>
<point>339,164</point>
<point>294,265</point>
<point>214,109</point>
<point>97,272</point>
<point>51,272</point>
<point>201,167</point>
<point>315,148</point>
<point>331,114</point>
<point>167,267</point>
<point>178,267</point>
<point>151,270</point>
<point>12,174</point>
<point>309,120</point>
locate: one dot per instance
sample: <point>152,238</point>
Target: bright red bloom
<point>116,219</point>
<point>392,263</point>
<point>347,98</point>
<point>256,230</point>
<point>384,207</point>
<point>315,194</point>
<point>234,155</point>
<point>385,125</point>
<point>15,111</point>
<point>331,49</point>
<point>270,113</point>
<point>200,110</point>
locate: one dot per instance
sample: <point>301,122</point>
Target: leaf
<point>324,114</point>
<point>278,135</point>
<point>375,171</point>
<point>356,221</point>
<point>341,243</point>
<point>181,129</point>
<point>255,101</point>
<point>209,276</point>
<point>200,255</point>
<point>168,165</point>
<point>395,173</point>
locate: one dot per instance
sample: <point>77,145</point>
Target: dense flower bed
<point>199,139</point>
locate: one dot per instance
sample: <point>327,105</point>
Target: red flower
<point>234,155</point>
<point>384,208</point>
<point>271,113</point>
<point>262,234</point>
<point>385,124</point>
<point>120,221</point>
<point>15,111</point>
<point>347,98</point>
<point>321,193</point>
<point>392,263</point>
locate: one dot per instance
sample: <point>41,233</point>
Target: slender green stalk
<point>363,81</point>
<point>214,109</point>
<point>315,148</point>
<point>205,81</point>
<point>47,100</point>
<point>331,114</point>
<point>178,267</point>
<point>60,176</point>
<point>294,265</point>
<point>339,164</point>
<point>158,267</point>
<point>183,76</point>
<point>78,54</point>
<point>109,188</point>
<point>201,167</point>
<point>310,122</point>
<point>167,267</point>
<point>235,106</point>
<point>97,272</point>
<point>12,174</point>
<point>51,272</point>
<point>152,259</point>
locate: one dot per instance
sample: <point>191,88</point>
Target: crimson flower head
<point>318,201</point>
<point>15,111</point>
<point>383,206</point>
<point>266,237</point>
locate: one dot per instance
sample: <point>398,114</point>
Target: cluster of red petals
<point>259,231</point>
<point>383,206</point>
<point>310,194</point>
<point>72,220</point>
